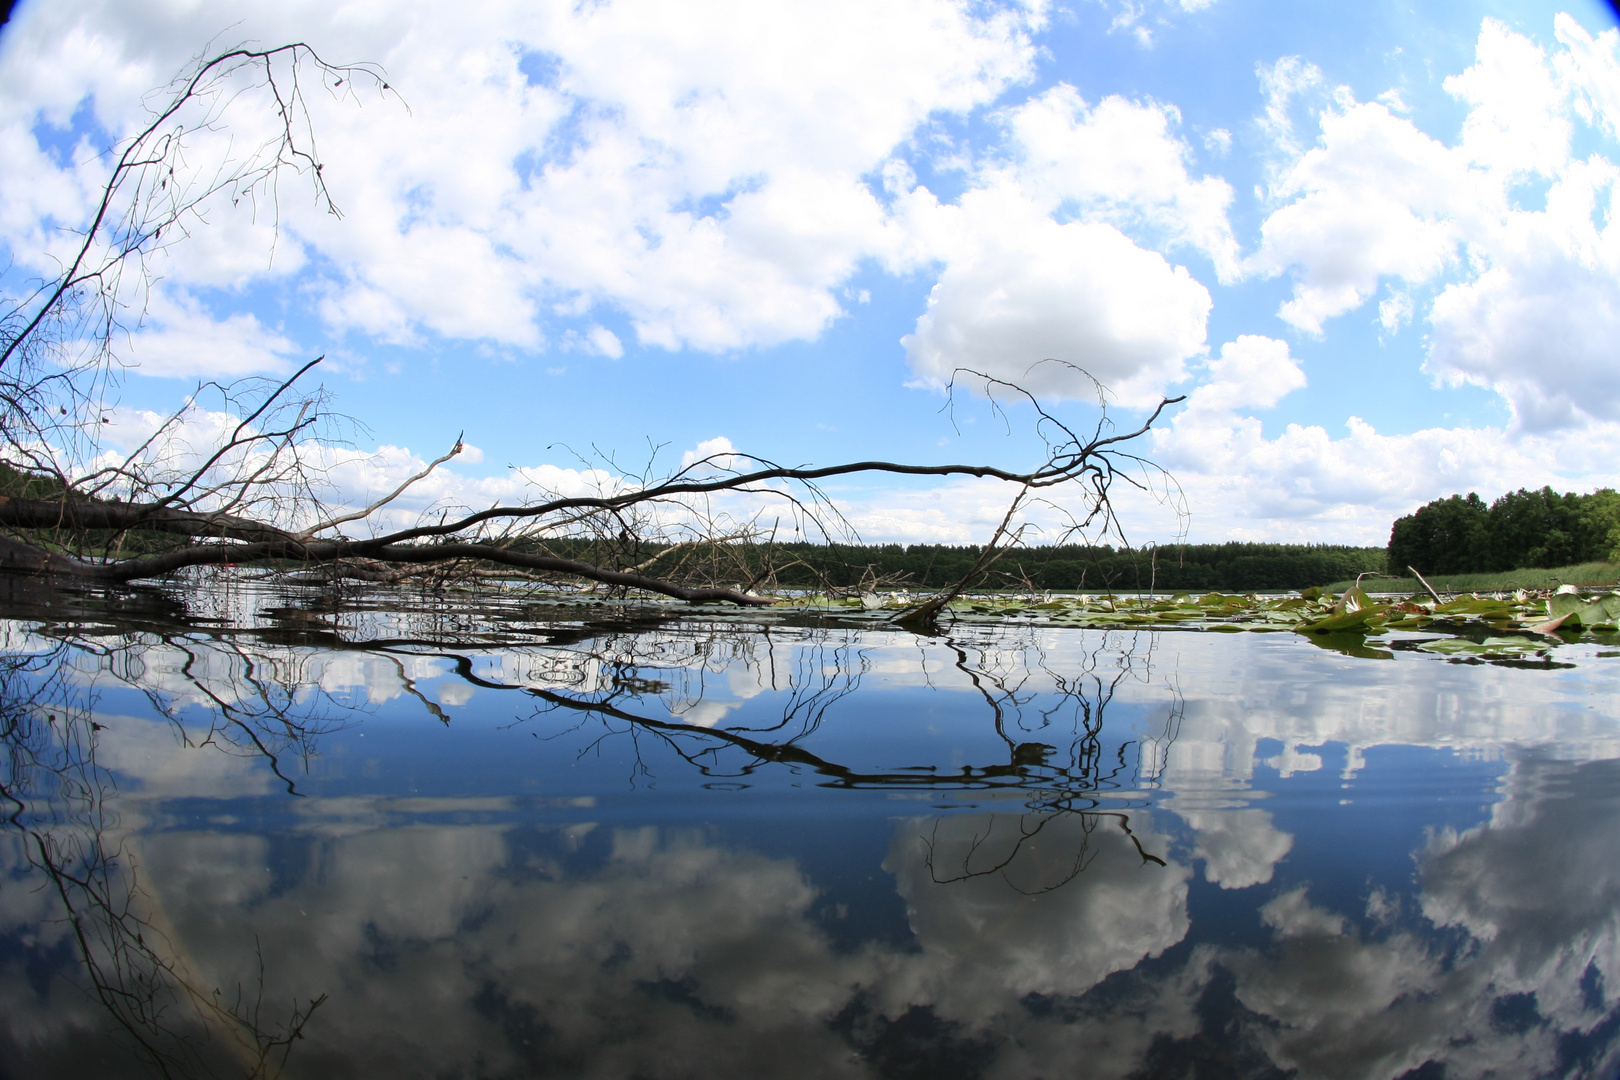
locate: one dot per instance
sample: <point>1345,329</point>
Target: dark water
<point>260,834</point>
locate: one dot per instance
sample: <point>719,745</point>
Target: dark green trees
<point>1524,528</point>
<point>1443,537</point>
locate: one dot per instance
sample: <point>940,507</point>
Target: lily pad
<point>1491,646</point>
<point>1351,644</point>
<point>1359,619</point>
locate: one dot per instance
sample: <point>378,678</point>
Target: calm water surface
<point>255,832</point>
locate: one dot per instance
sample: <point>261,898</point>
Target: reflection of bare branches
<point>1153,754</point>
<point>252,697</point>
<point>1026,833</point>
<point>644,675</point>
<point>71,839</point>
<point>1028,827</point>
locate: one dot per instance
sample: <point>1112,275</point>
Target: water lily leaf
<point>1360,619</point>
<point>1598,613</point>
<point>1351,644</point>
<point>1476,605</point>
<point>1491,646</point>
<point>1564,603</point>
<point>1409,622</point>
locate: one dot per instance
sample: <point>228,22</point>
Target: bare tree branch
<point>261,489</point>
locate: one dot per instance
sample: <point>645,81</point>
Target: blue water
<point>703,847</point>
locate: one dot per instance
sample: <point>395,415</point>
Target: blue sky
<point>1371,242</point>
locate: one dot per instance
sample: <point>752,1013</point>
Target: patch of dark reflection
<point>618,952</point>
<point>410,904</point>
<point>1524,984</point>
<point>70,891</point>
<point>649,951</point>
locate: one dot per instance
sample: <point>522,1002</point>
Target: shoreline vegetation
<point>1588,575</point>
<point>1227,567</point>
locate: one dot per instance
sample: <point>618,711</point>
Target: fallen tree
<point>259,490</point>
<point>80,535</point>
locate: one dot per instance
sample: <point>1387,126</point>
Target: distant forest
<point>1461,535</point>
<point>1232,567</point>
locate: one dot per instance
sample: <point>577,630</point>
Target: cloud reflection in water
<point>1056,920</point>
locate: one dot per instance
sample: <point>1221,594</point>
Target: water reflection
<point>357,841</point>
<point>71,890</point>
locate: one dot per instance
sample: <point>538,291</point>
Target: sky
<point>1372,244</point>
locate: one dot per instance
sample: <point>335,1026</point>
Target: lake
<point>260,830</point>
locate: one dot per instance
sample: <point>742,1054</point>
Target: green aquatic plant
<point>1493,627</point>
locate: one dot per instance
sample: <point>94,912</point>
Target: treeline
<point>1232,567</point>
<point>1522,529</point>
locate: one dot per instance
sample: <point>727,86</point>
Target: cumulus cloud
<point>1517,119</point>
<point>1376,200</point>
<point>1122,161</point>
<point>713,179</point>
<point>1028,288</point>
<point>1511,327</point>
<point>718,451</point>
<point>967,880</point>
<point>1337,1003</point>
<point>1240,847</point>
<point>1059,250</point>
<point>1370,201</point>
<point>179,338</point>
<point>705,174</point>
<point>700,170</point>
<point>1307,485</point>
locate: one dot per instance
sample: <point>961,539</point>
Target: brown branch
<point>366,512</point>
<point>924,615</point>
<point>29,558</point>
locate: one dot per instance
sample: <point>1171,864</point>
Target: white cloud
<point>1535,304</point>
<point>1252,372</point>
<point>718,450</point>
<point>1538,325</point>
<point>1283,83</point>
<point>699,169</point>
<point>1141,18</point>
<point>1590,67</point>
<point>1058,250</point>
<point>1372,200</point>
<point>1023,287</point>
<point>1304,484</point>
<point>1517,120</point>
<point>702,172</point>
<point>1120,161</point>
<point>984,945</point>
<point>1395,311</point>
<point>180,339</point>
<point>705,178</point>
<point>1240,847</point>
